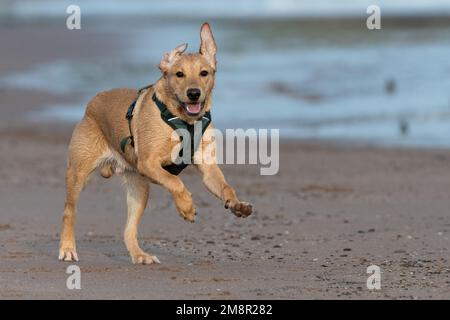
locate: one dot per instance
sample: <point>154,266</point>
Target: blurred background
<point>308,67</point>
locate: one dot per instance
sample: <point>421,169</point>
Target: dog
<point>185,88</point>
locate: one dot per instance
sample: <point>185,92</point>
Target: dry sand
<point>329,214</point>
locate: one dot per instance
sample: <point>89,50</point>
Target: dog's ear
<point>208,45</point>
<point>170,57</point>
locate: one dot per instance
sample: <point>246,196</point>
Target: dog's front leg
<point>214,180</point>
<point>183,200</point>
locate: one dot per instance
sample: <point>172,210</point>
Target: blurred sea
<point>310,68</point>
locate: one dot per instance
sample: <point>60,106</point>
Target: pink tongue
<point>193,107</point>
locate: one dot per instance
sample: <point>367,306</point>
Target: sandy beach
<point>330,212</point>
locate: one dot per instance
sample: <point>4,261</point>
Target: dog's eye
<point>204,73</point>
<point>179,74</point>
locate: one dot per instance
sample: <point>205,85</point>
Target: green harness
<point>175,123</point>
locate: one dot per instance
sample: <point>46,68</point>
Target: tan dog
<point>185,88</point>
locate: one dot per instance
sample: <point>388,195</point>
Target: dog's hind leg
<point>86,149</point>
<point>137,197</point>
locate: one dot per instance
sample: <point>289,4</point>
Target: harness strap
<point>129,116</point>
<point>175,123</point>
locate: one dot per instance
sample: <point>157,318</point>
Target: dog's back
<point>107,109</point>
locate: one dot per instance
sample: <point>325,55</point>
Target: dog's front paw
<point>240,209</point>
<point>185,206</point>
<point>188,213</point>
<point>144,258</point>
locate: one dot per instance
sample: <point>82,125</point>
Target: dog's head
<point>189,78</point>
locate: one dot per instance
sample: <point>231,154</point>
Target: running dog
<point>144,155</point>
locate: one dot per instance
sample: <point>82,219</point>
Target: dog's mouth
<point>192,109</point>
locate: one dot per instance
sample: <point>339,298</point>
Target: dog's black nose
<point>193,94</point>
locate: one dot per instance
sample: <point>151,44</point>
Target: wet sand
<point>330,213</point>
